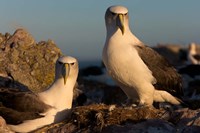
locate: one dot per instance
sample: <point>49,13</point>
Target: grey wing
<point>17,106</point>
<point>166,75</point>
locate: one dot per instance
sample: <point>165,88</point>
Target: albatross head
<point>66,67</point>
<point>192,48</point>
<point>116,17</point>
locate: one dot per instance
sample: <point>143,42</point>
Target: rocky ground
<point>99,107</point>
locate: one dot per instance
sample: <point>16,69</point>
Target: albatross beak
<point>120,23</point>
<point>65,72</point>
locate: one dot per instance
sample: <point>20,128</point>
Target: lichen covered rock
<point>24,61</point>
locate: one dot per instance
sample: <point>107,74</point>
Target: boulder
<point>26,62</point>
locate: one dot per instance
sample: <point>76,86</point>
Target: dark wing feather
<point>166,75</point>
<point>17,106</point>
<point>197,57</point>
<point>15,117</point>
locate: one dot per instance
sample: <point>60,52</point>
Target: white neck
<point>59,95</point>
<point>192,49</point>
<point>116,35</point>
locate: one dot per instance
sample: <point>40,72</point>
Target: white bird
<point>193,55</point>
<point>143,74</point>
<point>27,111</point>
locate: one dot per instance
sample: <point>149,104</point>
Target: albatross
<point>193,55</point>
<point>27,111</point>
<point>143,74</point>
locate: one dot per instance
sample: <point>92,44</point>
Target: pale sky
<point>78,29</point>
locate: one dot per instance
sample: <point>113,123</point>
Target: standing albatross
<point>26,111</point>
<point>143,74</point>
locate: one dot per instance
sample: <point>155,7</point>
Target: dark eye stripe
<point>116,13</point>
<point>113,13</point>
<point>60,62</point>
<point>64,63</point>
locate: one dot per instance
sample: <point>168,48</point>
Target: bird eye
<point>72,63</point>
<point>60,63</point>
<point>125,13</point>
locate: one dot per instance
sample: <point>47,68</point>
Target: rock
<point>189,121</point>
<point>96,73</point>
<point>20,38</point>
<point>26,62</point>
<point>91,70</point>
<point>171,52</point>
<point>63,127</point>
<point>148,126</point>
<point>97,92</point>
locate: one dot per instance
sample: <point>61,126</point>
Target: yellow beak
<point>120,23</point>
<point>65,72</point>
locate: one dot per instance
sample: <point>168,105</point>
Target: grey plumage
<point>15,105</point>
<point>165,74</point>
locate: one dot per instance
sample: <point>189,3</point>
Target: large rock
<point>26,62</point>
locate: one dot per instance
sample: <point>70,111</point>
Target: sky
<point>78,27</point>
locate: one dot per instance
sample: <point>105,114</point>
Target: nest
<point>94,118</point>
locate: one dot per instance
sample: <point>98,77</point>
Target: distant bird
<point>26,111</point>
<point>193,55</point>
<point>143,74</point>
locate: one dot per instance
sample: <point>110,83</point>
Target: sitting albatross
<point>27,111</point>
<point>143,74</point>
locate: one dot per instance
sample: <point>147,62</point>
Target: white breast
<point>124,64</point>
